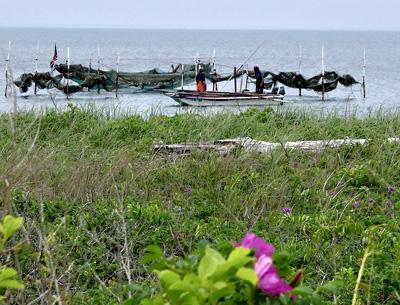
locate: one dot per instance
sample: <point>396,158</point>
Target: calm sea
<point>145,49</point>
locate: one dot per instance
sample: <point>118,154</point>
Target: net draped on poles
<point>86,77</point>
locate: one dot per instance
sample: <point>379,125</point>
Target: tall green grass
<point>91,187</point>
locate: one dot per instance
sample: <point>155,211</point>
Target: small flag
<point>55,57</point>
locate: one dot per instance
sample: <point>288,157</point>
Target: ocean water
<point>145,49</point>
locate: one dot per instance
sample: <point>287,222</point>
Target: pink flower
<point>187,190</point>
<point>389,204</point>
<point>268,278</point>
<point>252,241</point>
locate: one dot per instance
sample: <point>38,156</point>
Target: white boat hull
<point>225,99</point>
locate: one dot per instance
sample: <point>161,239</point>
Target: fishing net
<point>299,81</point>
<point>86,77</point>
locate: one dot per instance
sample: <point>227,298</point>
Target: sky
<point>204,14</point>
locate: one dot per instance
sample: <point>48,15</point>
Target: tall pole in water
<point>117,78</point>
<point>234,77</point>
<point>183,72</point>
<point>214,70</point>
<point>7,64</point>
<point>300,62</point>
<point>68,75</point>
<point>247,78</point>
<point>323,75</point>
<point>98,67</point>
<point>364,68</point>
<point>36,65</point>
<point>90,67</point>
<point>196,63</point>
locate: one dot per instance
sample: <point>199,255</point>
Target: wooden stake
<point>90,67</point>
<point>214,69</point>
<point>117,78</point>
<point>364,69</point>
<point>300,62</point>
<point>234,77</point>
<point>68,76</point>
<point>247,79</point>
<point>36,66</point>
<point>7,64</point>
<point>241,83</point>
<point>323,75</point>
<point>196,63</point>
<point>98,67</point>
<point>183,74</point>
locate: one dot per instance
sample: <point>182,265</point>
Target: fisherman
<point>201,81</point>
<point>259,80</point>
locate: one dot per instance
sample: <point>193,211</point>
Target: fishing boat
<point>216,98</point>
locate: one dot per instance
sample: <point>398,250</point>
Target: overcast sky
<point>208,14</point>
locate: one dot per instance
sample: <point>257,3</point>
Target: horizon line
<point>200,29</point>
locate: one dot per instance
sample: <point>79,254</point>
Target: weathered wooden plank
<point>228,146</point>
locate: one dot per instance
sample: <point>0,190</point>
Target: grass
<point>94,194</point>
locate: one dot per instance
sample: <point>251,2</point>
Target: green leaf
<point>207,267</point>
<point>216,256</point>
<point>209,263</point>
<point>248,275</point>
<point>315,299</point>
<point>240,257</point>
<point>189,298</point>
<point>332,286</point>
<point>221,289</point>
<point>303,291</point>
<point>285,299</point>
<point>180,286</point>
<point>10,225</point>
<point>7,279</point>
<point>238,253</point>
<point>7,273</point>
<point>14,284</point>
<point>154,257</point>
<point>168,277</point>
<point>224,272</point>
<point>153,253</point>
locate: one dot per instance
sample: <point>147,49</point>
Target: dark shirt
<point>259,82</point>
<point>200,77</point>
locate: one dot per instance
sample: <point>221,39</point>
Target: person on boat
<point>201,81</point>
<point>259,80</point>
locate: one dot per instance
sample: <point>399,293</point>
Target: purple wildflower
<point>390,189</point>
<point>243,201</point>
<point>252,241</point>
<point>187,190</point>
<point>268,278</point>
<point>389,204</point>
<point>286,211</point>
<point>371,202</point>
<point>356,204</point>
<point>340,185</point>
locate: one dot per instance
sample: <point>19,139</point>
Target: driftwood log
<point>228,146</point>
<point>188,148</point>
